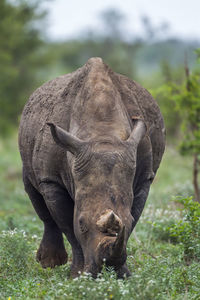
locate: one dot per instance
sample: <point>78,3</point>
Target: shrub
<point>185,231</point>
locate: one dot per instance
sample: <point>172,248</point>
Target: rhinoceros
<point>91,143</point>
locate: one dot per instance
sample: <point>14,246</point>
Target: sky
<point>69,18</point>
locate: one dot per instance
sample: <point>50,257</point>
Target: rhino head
<point>103,171</point>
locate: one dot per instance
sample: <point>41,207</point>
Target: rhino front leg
<point>61,208</point>
<point>140,197</point>
<point>123,272</point>
<point>51,252</point>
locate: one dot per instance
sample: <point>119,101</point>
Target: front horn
<point>118,245</point>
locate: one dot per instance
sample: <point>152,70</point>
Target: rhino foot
<point>123,272</point>
<point>51,256</point>
<point>77,267</point>
<point>75,271</point>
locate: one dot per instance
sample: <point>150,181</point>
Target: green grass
<point>158,267</point>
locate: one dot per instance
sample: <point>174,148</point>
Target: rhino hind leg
<point>61,208</point>
<point>51,252</point>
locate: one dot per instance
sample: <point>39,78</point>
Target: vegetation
<point>21,58</point>
<point>185,231</point>
<point>186,100</point>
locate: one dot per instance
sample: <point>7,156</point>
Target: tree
<point>109,42</point>
<point>188,104</point>
<point>186,97</point>
<point>20,57</point>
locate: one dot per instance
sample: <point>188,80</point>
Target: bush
<point>185,231</point>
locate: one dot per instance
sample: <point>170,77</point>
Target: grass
<point>159,270</point>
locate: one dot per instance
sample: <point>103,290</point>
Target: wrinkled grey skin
<point>91,143</point>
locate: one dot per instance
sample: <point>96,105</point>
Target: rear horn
<point>137,133</point>
<point>65,139</point>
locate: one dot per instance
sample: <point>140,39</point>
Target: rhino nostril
<point>82,225</point>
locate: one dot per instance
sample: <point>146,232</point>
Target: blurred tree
<point>162,94</point>
<point>186,98</point>
<point>153,32</point>
<point>113,26</point>
<point>20,57</point>
<point>110,43</point>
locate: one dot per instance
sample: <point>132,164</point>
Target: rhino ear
<point>137,133</point>
<point>65,139</point>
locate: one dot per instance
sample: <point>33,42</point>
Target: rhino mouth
<point>110,251</point>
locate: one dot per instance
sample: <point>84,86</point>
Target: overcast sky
<point>69,18</point>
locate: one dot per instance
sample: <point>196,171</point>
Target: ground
<point>159,270</point>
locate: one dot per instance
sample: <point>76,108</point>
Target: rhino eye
<point>82,225</point>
